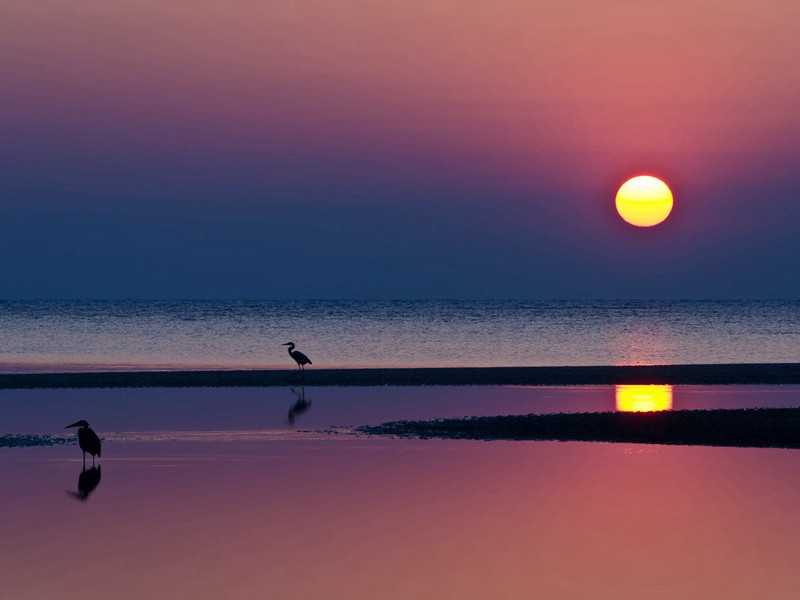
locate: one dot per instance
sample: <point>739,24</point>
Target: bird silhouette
<point>87,440</point>
<point>299,407</point>
<point>87,481</point>
<point>300,358</point>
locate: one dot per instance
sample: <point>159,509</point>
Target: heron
<point>300,358</point>
<point>87,439</point>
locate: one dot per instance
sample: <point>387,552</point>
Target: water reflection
<point>643,398</point>
<point>300,406</point>
<point>88,480</point>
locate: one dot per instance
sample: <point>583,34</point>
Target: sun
<point>644,201</point>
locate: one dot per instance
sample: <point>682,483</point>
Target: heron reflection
<point>88,480</point>
<point>300,406</point>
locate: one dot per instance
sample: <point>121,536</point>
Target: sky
<point>414,149</point>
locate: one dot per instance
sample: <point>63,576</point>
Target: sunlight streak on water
<point>643,398</point>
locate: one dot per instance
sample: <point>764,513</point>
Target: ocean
<point>130,335</point>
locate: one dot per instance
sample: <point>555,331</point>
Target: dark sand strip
<point>27,440</point>
<point>762,427</point>
<point>725,374</point>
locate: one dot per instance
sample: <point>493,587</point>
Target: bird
<point>87,439</point>
<point>300,358</point>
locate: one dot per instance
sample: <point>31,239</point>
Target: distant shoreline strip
<point>715,374</point>
<point>29,440</point>
<point>746,428</point>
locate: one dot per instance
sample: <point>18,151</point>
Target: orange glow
<point>644,201</point>
<point>643,398</point>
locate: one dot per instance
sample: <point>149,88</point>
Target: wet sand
<point>756,428</point>
<point>714,374</point>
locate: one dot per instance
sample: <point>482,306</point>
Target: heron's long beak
<point>287,344</point>
<point>77,424</point>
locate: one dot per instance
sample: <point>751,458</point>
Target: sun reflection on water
<point>643,398</point>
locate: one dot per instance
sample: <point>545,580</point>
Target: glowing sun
<point>644,201</point>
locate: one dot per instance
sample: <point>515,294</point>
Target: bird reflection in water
<point>88,480</point>
<point>300,406</point>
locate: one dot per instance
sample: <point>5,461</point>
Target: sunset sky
<point>414,149</point>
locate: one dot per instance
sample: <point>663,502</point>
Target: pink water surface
<point>313,516</point>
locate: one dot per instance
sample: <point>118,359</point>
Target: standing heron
<point>300,358</point>
<point>87,440</point>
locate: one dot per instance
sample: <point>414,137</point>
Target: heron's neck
<point>290,348</point>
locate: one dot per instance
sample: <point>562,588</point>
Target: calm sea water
<point>43,336</point>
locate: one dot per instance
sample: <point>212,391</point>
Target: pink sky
<point>510,102</point>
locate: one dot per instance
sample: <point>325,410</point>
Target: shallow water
<point>117,411</point>
<point>106,335</point>
<point>186,509</point>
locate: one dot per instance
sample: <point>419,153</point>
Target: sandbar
<point>751,427</point>
<point>693,374</point>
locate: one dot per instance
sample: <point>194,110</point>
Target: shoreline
<point>697,374</point>
<point>741,427</point>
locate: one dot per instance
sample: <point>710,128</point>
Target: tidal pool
<point>210,493</point>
